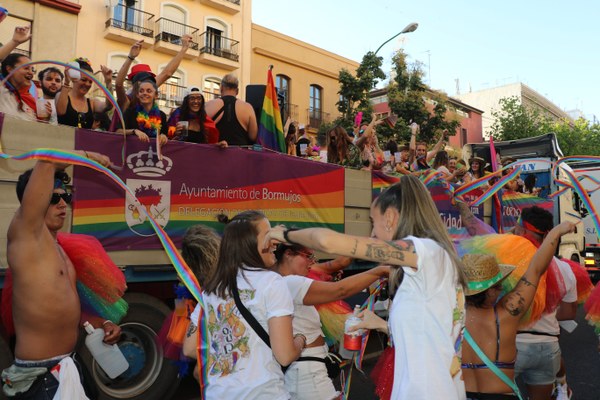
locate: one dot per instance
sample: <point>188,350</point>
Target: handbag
<point>332,361</point>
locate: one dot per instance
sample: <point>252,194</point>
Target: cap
<point>136,69</point>
<point>192,89</point>
<point>301,126</point>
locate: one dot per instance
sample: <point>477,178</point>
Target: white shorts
<point>308,380</point>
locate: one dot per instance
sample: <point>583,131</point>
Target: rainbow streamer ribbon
<point>183,270</point>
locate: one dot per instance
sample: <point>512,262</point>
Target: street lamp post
<point>409,28</point>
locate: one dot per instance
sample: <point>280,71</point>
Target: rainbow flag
<point>270,128</point>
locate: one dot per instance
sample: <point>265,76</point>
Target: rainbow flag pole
<point>270,128</point>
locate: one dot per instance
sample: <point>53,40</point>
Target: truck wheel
<point>6,359</point>
<point>150,376</point>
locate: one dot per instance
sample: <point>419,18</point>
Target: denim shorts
<point>538,363</point>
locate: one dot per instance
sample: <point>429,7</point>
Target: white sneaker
<point>563,392</point>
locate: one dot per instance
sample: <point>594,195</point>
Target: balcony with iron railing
<point>228,6</point>
<point>128,25</point>
<point>218,51</point>
<point>169,34</point>
<point>316,117</point>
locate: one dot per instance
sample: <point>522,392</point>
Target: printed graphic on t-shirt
<point>458,324</point>
<point>229,336</point>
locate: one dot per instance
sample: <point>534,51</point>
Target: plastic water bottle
<point>353,340</point>
<point>109,357</point>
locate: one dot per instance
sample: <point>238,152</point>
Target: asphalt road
<point>580,351</point>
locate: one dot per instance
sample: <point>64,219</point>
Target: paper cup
<point>184,128</point>
<point>41,111</point>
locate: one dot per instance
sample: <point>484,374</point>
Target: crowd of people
<point>448,316</point>
<point>63,98</point>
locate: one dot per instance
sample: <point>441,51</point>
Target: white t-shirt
<point>10,105</point>
<point>426,323</point>
<point>306,318</point>
<point>548,322</point>
<point>241,365</point>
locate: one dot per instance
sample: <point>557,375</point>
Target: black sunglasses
<point>55,199</point>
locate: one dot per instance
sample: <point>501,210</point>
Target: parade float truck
<point>538,154</point>
<point>590,171</point>
<point>191,184</point>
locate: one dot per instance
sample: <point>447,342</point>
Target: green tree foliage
<point>354,90</point>
<point>517,121</point>
<point>578,138</point>
<point>406,98</point>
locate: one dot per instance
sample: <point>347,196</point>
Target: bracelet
<point>131,58</point>
<point>286,237</point>
<point>107,321</point>
<point>303,337</point>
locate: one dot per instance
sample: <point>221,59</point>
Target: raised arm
<point>107,73</point>
<point>325,292</point>
<point>29,220</point>
<point>519,299</point>
<point>62,99</point>
<point>172,66</point>
<point>134,51</point>
<point>20,35</point>
<point>438,146</point>
<point>412,146</point>
<point>400,252</point>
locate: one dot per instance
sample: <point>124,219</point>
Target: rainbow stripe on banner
<point>270,129</point>
<point>513,203</point>
<point>180,191</point>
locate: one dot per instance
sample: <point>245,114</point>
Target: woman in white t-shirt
<point>308,380</point>
<point>427,312</point>
<point>240,365</point>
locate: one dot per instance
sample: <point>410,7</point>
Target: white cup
<point>41,110</point>
<point>398,156</point>
<point>303,147</point>
<point>387,155</point>
<point>323,155</point>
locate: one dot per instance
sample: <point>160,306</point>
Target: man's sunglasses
<point>55,199</point>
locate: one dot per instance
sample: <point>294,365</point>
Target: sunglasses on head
<point>55,199</point>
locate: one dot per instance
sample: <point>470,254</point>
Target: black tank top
<point>77,119</point>
<point>229,127</point>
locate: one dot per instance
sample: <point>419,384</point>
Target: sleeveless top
<point>77,119</point>
<point>499,364</point>
<point>229,127</point>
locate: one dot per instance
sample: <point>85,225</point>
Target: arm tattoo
<point>389,251</point>
<point>514,304</point>
<point>191,330</point>
<point>527,283</point>
<point>353,251</point>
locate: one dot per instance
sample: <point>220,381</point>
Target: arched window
<point>211,87</point>
<point>282,83</point>
<point>172,23</point>
<point>215,39</point>
<point>315,112</point>
<point>171,93</point>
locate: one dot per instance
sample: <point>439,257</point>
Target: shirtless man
<point>235,118</point>
<point>45,303</point>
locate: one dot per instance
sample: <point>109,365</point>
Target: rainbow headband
<point>183,270</point>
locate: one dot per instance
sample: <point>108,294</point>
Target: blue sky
<point>552,46</point>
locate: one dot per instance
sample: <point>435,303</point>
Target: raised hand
<point>135,50</point>
<point>107,73</point>
<point>21,34</point>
